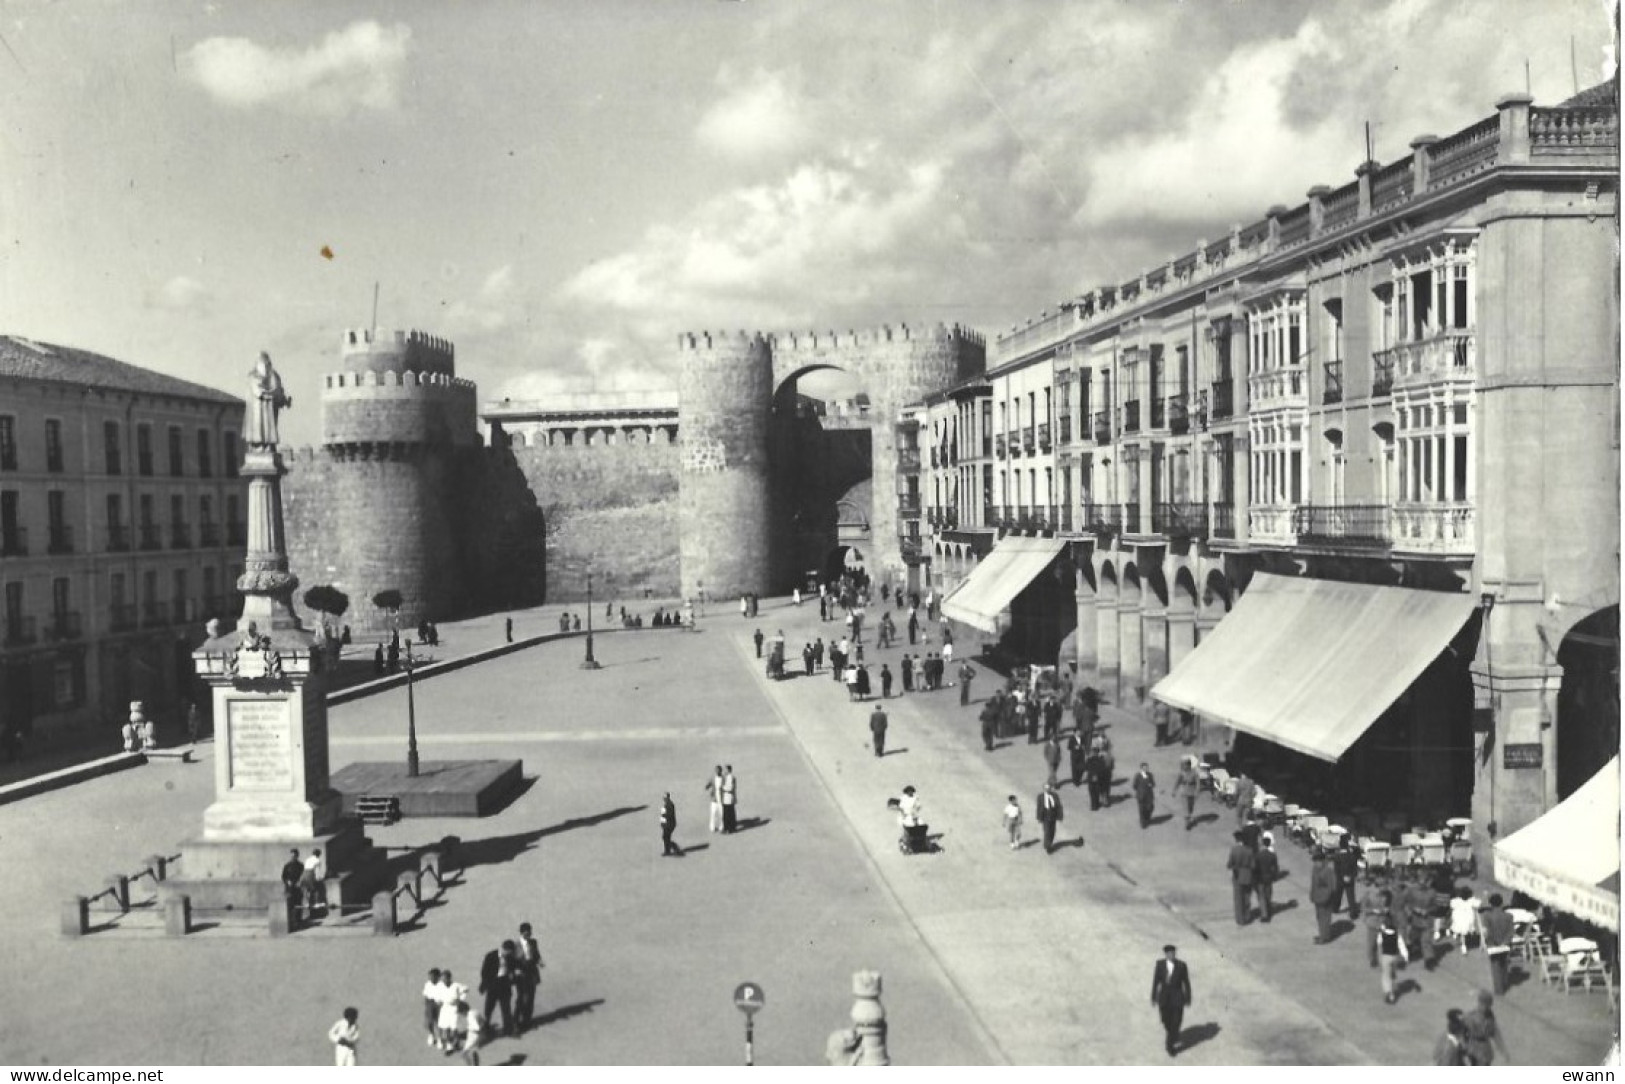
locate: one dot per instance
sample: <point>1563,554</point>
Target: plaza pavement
<point>1082,927</point>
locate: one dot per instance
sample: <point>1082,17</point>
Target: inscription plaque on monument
<point>261,745</point>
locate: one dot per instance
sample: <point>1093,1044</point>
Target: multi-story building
<point>1381,426</point>
<point>122,531</point>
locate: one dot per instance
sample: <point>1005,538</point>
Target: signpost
<point>748,996</point>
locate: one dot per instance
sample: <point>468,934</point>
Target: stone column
<point>1181,637</point>
<point>1154,641</point>
<point>1106,644</point>
<point>1088,633</point>
<point>1131,675</point>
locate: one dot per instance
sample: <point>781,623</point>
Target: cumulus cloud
<point>757,117</point>
<point>180,294</point>
<point>496,305</point>
<point>357,68</point>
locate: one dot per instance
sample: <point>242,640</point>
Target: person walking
<point>345,1035</point>
<point>885,681</point>
<point>496,983</point>
<point>310,883</point>
<point>1012,822</point>
<point>1266,873</point>
<point>1245,789</point>
<point>470,1034</point>
<point>1323,891</point>
<point>432,992</point>
<point>730,800</point>
<point>1052,759</point>
<point>1451,1048</point>
<point>913,626</point>
<point>877,730</point>
<point>906,668</point>
<point>713,788</point>
<point>1375,908</point>
<point>1049,814</point>
<point>293,871</point>
<point>1052,712</point>
<point>668,825</point>
<point>1077,752</point>
<point>1243,866</point>
<point>527,977</point>
<point>1186,787</point>
<point>452,995</point>
<point>1346,861</point>
<point>1496,925</point>
<point>1171,994</point>
<point>1145,793</point>
<point>1484,1033</point>
<point>1099,771</point>
<point>507,629</point>
<point>1463,918</point>
<point>990,720</point>
<point>863,678</point>
<point>758,638</point>
<point>1391,954</point>
<point>1029,708</point>
<point>967,674</point>
<point>807,659</point>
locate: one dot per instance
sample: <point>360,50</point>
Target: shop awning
<point>1009,567</point>
<point>1311,664</point>
<point>1569,856</point>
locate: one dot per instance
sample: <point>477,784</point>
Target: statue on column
<point>266,402</point>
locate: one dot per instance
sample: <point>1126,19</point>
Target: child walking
<point>431,1005</point>
<point>1012,822</point>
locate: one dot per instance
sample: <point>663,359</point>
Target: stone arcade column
<point>272,787</point>
<point>1131,661</point>
<point>1088,633</point>
<point>1106,645</point>
<point>1155,640</point>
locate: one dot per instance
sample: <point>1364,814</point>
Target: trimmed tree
<point>328,601</point>
<point>390,601</point>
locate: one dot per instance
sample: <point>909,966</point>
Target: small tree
<point>390,601</point>
<point>328,601</point>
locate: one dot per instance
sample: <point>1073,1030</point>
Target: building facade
<point>121,534</point>
<point>1409,380</point>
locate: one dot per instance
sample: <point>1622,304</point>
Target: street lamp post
<point>589,663</point>
<point>411,717</point>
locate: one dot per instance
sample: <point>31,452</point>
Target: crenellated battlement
<point>376,349</point>
<point>830,340</point>
<point>391,378</point>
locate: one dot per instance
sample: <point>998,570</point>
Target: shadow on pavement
<point>516,1058</point>
<point>498,849</point>
<point>564,1012</point>
<point>752,822</point>
<point>1201,1033</point>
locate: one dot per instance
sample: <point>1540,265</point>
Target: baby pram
<point>916,838</point>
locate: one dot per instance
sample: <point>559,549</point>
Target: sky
<point>562,187</point>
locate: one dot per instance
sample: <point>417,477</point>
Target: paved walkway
<point>1083,926</point>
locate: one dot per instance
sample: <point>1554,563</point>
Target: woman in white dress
<point>1463,918</point>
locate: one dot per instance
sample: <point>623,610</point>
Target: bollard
<point>407,880</point>
<point>118,892</point>
<point>280,915</point>
<point>178,916</point>
<point>869,1019</point>
<point>383,914</point>
<point>76,917</point>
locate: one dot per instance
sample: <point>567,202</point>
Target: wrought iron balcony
<point>1102,518</point>
<point>1444,528</point>
<point>908,459</point>
<point>908,504</point>
<point>1043,437</point>
<point>998,445</point>
<point>180,536</point>
<point>1382,373</point>
<point>64,625</point>
<point>118,538</point>
<point>151,537</point>
<point>19,630</point>
<point>208,534</point>
<point>1224,399</point>
<point>1334,383</point>
<point>8,457</point>
<point>59,538</point>
<point>236,534</point>
<point>154,614</point>
<point>1159,412</point>
<point>1103,427</point>
<point>1179,416</point>
<point>1131,416</point>
<point>1131,517</point>
<point>950,516</point>
<point>1347,525</point>
<point>13,540</point>
<point>1029,441</point>
<point>123,617</point>
<point>1066,517</point>
<point>1224,519</point>
<point>1179,519</point>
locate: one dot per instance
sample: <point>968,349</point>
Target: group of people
<point>509,977</point>
<point>722,793</point>
<point>302,885</point>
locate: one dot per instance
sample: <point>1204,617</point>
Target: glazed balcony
<point>1278,387</point>
<point>1180,519</point>
<point>1350,526</point>
<point>908,460</point>
<point>1271,525</point>
<point>1029,440</point>
<point>1447,356</point>
<point>1382,373</point>
<point>1438,528</point>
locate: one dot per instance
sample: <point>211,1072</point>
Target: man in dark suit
<point>1049,815</point>
<point>1242,865</point>
<point>292,870</point>
<point>1323,889</point>
<point>1266,873</point>
<point>1170,993</point>
<point>668,825</point>
<point>877,730</point>
<point>1145,793</point>
<point>496,983</point>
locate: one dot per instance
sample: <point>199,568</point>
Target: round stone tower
<point>392,419</point>
<point>725,398</point>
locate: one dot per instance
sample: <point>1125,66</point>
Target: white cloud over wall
<point>357,68</point>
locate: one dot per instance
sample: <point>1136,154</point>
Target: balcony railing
<point>180,536</point>
<point>1444,528</point>
<point>1064,424</point>
<point>1449,355</point>
<point>1043,437</point>
<point>65,625</point>
<point>1271,525</point>
<point>990,515</point>
<point>154,614</point>
<point>1362,525</point>
<point>13,540</point>
<point>8,457</point>
<point>59,538</point>
<point>1179,519</point>
<point>151,537</point>
<point>1334,383</point>
<point>1179,415</point>
<point>1224,399</point>
<point>1102,518</point>
<point>1382,373</point>
<point>118,538</point>
<point>908,459</point>
<point>122,617</point>
<point>1131,517</point>
<point>1066,517</point>
<point>998,445</point>
<point>1131,416</point>
<point>181,611</point>
<point>908,505</point>
<point>208,534</point>
<point>1275,386</point>
<point>236,534</point>
<point>1103,427</point>
<point>19,630</point>
<point>1029,440</point>
<point>1224,519</point>
<point>1159,412</point>
<point>949,516</point>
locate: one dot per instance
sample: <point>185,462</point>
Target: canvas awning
<point>1569,856</point>
<point>1008,568</point>
<point>1311,664</point>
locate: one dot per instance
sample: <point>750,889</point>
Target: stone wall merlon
<point>373,380</point>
